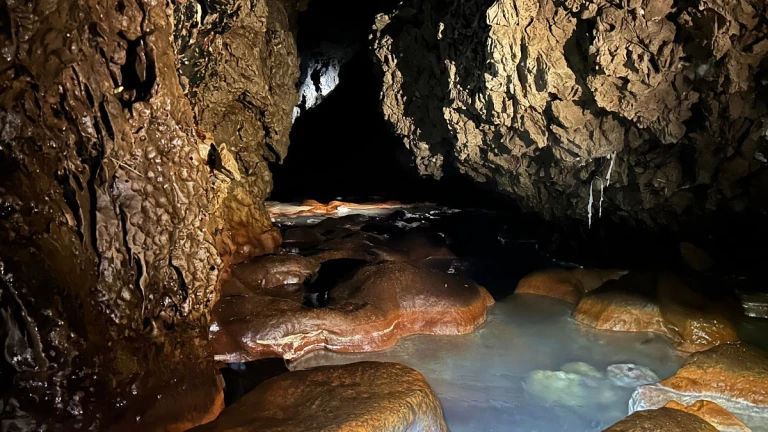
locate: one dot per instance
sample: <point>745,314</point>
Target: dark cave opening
<point>342,148</point>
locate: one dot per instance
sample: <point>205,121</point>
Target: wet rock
<point>755,304</point>
<point>113,230</point>
<point>695,258</point>
<point>584,108</point>
<point>713,414</point>
<point>270,271</point>
<point>662,420</point>
<point>366,397</point>
<point>569,389</point>
<point>583,369</point>
<point>379,305</point>
<point>302,238</point>
<point>733,375</point>
<point>568,285</point>
<point>238,66</point>
<point>630,375</point>
<point>695,320</point>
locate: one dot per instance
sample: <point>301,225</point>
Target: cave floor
<point>531,367</point>
<point>486,380</point>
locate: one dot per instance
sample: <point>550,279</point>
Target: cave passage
<point>384,215</point>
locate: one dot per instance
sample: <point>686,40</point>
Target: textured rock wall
<point>238,64</point>
<point>586,108</point>
<point>113,231</point>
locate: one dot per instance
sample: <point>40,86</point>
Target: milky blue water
<point>495,379</point>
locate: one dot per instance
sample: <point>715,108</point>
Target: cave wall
<point>648,111</point>
<point>114,231</point>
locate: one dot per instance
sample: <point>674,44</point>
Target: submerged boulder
<point>734,375</point>
<point>695,319</point>
<point>568,285</point>
<point>371,311</point>
<point>662,420</point>
<point>362,397</point>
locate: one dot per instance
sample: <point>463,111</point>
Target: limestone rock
<point>270,271</point>
<point>646,111</point>
<point>379,305</point>
<point>733,375</point>
<point>713,413</point>
<point>630,375</point>
<point>665,305</point>
<point>239,68</point>
<point>662,420</point>
<point>365,397</point>
<point>568,285</point>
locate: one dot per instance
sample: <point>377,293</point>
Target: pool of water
<point>496,378</point>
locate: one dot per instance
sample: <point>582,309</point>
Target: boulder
<point>662,420</point>
<point>713,413</point>
<point>695,319</point>
<point>360,397</point>
<point>371,311</point>
<point>733,375</point>
<point>270,271</point>
<point>302,238</point>
<point>630,375</point>
<point>568,285</point>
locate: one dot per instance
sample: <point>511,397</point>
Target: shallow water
<point>484,379</point>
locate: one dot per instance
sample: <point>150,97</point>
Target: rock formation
<point>568,285</point>
<point>644,110</point>
<point>733,375</point>
<point>129,179</point>
<point>713,413</point>
<point>693,317</point>
<point>379,305</point>
<point>365,397</point>
<point>662,420</point>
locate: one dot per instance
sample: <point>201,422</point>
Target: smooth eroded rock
<point>371,311</point>
<point>693,318</point>
<point>361,397</point>
<point>270,271</point>
<point>568,285</point>
<point>734,375</point>
<point>662,420</point>
<point>713,413</point>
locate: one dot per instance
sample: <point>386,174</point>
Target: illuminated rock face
<point>365,397</point>
<point>118,217</point>
<point>692,317</point>
<point>733,375</point>
<point>379,305</point>
<point>585,108</point>
<point>662,420</point>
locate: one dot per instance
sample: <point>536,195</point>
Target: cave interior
<point>418,215</point>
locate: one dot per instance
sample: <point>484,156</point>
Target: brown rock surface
<point>239,68</point>
<point>735,370</point>
<point>662,420</point>
<point>733,375</point>
<point>663,304</point>
<point>114,232</point>
<point>273,270</point>
<point>363,397</point>
<point>568,285</point>
<point>713,414</point>
<point>645,110</point>
<point>379,305</point>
